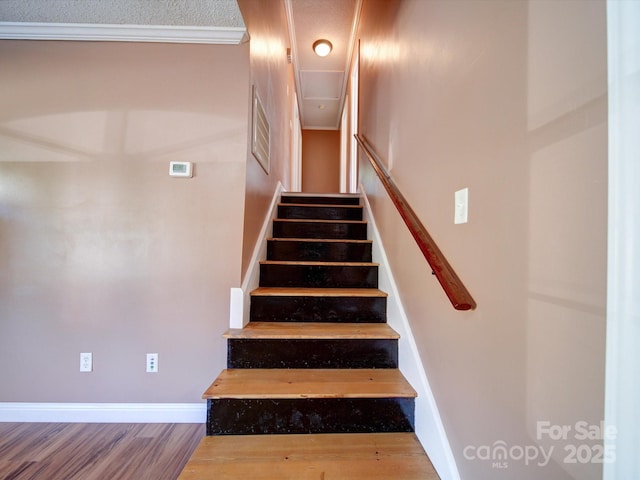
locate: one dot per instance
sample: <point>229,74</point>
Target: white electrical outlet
<point>152,363</point>
<point>86,362</point>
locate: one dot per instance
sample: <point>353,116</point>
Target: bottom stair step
<point>372,456</point>
<point>295,401</point>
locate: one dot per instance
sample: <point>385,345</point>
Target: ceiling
<point>221,13</point>
<point>320,82</point>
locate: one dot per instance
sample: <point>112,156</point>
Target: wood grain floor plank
<point>317,292</point>
<point>310,383</point>
<point>301,457</point>
<point>96,451</point>
<point>311,330</point>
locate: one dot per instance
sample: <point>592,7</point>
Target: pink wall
<point>509,100</point>
<point>267,25</point>
<point>321,161</point>
<point>100,250</point>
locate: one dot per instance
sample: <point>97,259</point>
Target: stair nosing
<point>312,331</point>
<point>318,292</point>
<point>318,205</point>
<point>319,240</point>
<point>320,264</point>
<point>295,383</point>
<point>308,220</point>
<point>320,195</point>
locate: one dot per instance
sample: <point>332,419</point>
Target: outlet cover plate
<point>86,362</point>
<point>152,363</point>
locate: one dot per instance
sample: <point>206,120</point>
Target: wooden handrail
<point>458,294</point>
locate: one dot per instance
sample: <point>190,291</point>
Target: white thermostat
<point>180,169</point>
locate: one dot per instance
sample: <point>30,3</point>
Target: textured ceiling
<point>219,13</point>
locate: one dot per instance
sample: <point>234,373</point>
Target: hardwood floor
<point>68,451</point>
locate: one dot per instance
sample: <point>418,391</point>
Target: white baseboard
<point>428,424</point>
<point>240,296</point>
<point>103,412</point>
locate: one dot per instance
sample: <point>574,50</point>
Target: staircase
<point>317,364</point>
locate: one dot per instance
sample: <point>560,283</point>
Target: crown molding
<point>122,33</point>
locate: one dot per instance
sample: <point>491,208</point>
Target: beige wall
<point>321,161</point>
<point>509,100</point>
<point>100,250</point>
<point>267,25</point>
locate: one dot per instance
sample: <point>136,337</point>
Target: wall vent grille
<point>260,144</point>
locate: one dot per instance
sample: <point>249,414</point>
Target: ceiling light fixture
<point>322,47</point>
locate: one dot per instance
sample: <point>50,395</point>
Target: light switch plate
<point>461,214</point>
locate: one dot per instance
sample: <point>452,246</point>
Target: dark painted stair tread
<point>286,416</point>
<point>309,383</point>
<point>315,353</point>
<point>313,198</point>
<point>319,264</point>
<point>311,330</point>
<point>319,211</point>
<point>319,205</point>
<point>317,292</point>
<point>337,229</point>
<point>318,274</point>
<point>319,221</point>
<point>306,249</point>
<point>365,456</point>
<point>298,304</point>
<point>314,240</point>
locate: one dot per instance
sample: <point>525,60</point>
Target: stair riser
<point>310,251</point>
<point>312,353</point>
<point>319,212</point>
<point>319,276</point>
<point>311,200</point>
<point>330,230</point>
<point>319,309</point>
<point>309,415</point>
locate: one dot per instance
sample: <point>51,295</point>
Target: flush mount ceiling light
<point>322,47</point>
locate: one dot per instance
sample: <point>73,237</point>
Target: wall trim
<point>240,296</point>
<point>122,33</point>
<point>103,412</point>
<point>622,364</point>
<point>428,425</point>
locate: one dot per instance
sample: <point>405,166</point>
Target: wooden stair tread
<point>311,330</point>
<point>317,292</point>
<point>309,383</point>
<point>319,194</point>
<point>318,205</point>
<point>323,264</point>
<point>370,456</point>
<point>317,240</point>
<point>308,220</point>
